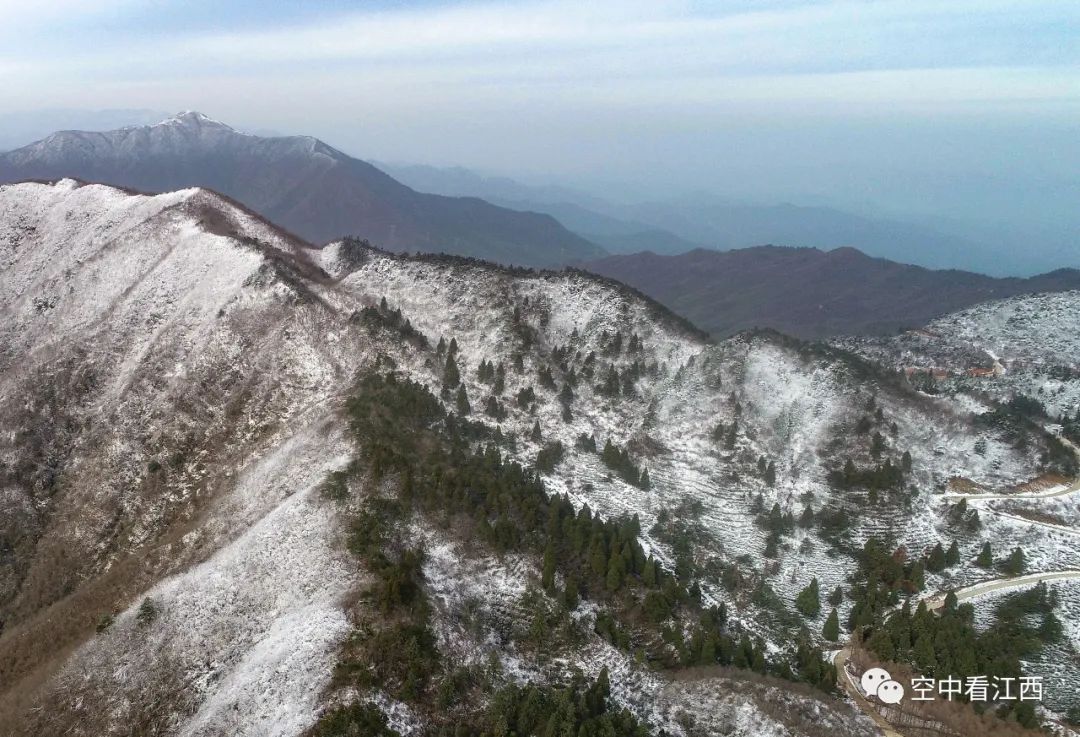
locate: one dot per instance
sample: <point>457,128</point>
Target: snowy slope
<point>170,373</point>
<point>797,408</point>
<point>1039,328</point>
<point>168,395</point>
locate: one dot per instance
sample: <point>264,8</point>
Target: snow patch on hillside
<point>251,635</point>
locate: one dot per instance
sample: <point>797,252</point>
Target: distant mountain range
<point>300,183</point>
<point>320,194</point>
<point>810,293</point>
<point>591,217</point>
<point>677,225</point>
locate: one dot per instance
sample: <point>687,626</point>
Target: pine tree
<point>1014,564</point>
<point>597,560</point>
<point>462,402</point>
<point>849,472</point>
<point>744,653</point>
<point>925,658</point>
<point>732,436</point>
<point>918,575</point>
<point>453,349</point>
<point>772,547</point>
<point>986,558</point>
<point>147,612</point>
<point>645,483</point>
<point>610,387</point>
<point>547,579</point>
<point>877,446</point>
<point>570,593</point>
<point>615,572</point>
<point>935,563</point>
<point>758,664</point>
<point>451,375</point>
<point>648,575</point>
<point>535,435</point>
<point>836,597</point>
<point>770,474</point>
<point>808,602</point>
<point>952,556</point>
<point>905,462</point>
<point>881,644</point>
<point>708,651</point>
<point>776,518</point>
<point>831,630</point>
<point>547,381</point>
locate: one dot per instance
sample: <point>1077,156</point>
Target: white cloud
<point>21,16</point>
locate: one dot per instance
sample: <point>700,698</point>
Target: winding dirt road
<point>1059,490</point>
<point>1053,491</point>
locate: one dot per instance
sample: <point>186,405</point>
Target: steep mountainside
<point>1034,329</point>
<point>301,184</point>
<point>227,509</point>
<point>811,293</point>
<point>1011,363</point>
<point>1027,346</point>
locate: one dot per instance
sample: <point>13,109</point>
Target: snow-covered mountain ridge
<point>171,374</point>
<point>298,182</point>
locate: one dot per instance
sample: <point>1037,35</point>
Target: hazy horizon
<point>961,116</point>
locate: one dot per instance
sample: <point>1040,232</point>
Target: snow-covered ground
<point>172,366</point>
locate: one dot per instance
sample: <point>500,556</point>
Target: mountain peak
<point>194,119</point>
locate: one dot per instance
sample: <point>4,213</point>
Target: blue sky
<point>962,110</point>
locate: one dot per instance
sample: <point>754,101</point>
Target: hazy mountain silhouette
<point>811,293</point>
<point>300,183</point>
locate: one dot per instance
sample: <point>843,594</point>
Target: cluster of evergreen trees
<point>402,429</point>
<point>495,375</point>
<point>949,645</point>
<point>1021,418</point>
<point>618,460</point>
<point>613,343</point>
<point>875,478</point>
<point>549,456</point>
<point>881,579</point>
<point>581,708</point>
<point>727,435</point>
<point>382,317</point>
<point>777,523</point>
<point>615,382</point>
<point>1070,427</point>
